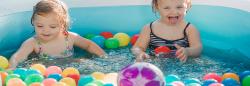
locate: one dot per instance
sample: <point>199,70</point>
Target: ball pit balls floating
<point>123,38</point>
<point>68,81</point>
<point>36,84</point>
<point>4,63</point>
<point>22,72</point>
<point>15,82</point>
<point>33,78</point>
<point>99,40</point>
<point>98,75</point>
<point>134,39</point>
<point>70,70</point>
<point>85,80</point>
<point>246,81</point>
<point>141,74</point>
<point>41,68</point>
<point>76,77</point>
<point>231,75</point>
<point>49,82</point>
<point>230,82</point>
<point>3,76</point>
<point>171,78</point>
<point>214,76</point>
<point>208,82</point>
<point>89,36</point>
<point>55,76</point>
<point>111,43</point>
<point>106,35</point>
<point>111,78</point>
<point>53,69</point>
<point>244,74</point>
<point>11,76</point>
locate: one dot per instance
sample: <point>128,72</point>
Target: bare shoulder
<point>30,41</point>
<point>146,28</point>
<point>192,29</point>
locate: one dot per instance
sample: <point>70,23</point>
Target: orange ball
<point>231,75</point>
<point>59,84</point>
<point>68,81</point>
<point>15,82</point>
<point>70,70</point>
<point>39,67</point>
<point>36,84</point>
<point>3,76</point>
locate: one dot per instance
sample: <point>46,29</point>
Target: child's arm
<point>26,48</point>
<point>88,45</point>
<point>141,44</point>
<point>195,45</point>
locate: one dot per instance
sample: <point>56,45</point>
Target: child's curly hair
<point>155,4</point>
<point>56,6</point>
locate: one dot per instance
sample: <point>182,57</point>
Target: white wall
<point>12,6</point>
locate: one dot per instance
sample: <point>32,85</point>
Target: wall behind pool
<point>224,31</point>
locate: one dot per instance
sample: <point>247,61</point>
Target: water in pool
<point>118,58</point>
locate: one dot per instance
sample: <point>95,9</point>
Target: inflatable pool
<point>224,28</point>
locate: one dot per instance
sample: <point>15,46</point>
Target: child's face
<point>172,11</point>
<point>47,26</point>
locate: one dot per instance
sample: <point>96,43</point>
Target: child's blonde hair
<point>58,7</point>
<point>155,4</point>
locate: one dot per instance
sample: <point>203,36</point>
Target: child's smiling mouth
<point>173,19</point>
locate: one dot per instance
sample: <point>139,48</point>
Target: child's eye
<point>53,27</point>
<point>39,26</point>
<point>179,7</point>
<point>166,8</point>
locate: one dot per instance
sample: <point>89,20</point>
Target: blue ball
<point>230,82</point>
<point>191,80</point>
<point>244,74</point>
<point>108,84</point>
<point>171,78</point>
<point>193,84</point>
<point>208,82</point>
<point>55,76</point>
<point>99,40</point>
<point>85,80</point>
<point>21,72</point>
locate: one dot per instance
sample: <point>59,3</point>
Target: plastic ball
<point>231,75</point>
<point>192,80</point>
<point>98,82</point>
<point>216,84</point>
<point>162,49</point>
<point>76,77</point>
<point>111,78</point>
<point>33,78</point>
<point>171,78</point>
<point>53,69</point>
<point>59,84</point>
<point>85,80</point>
<point>246,81</point>
<point>36,84</point>
<point>11,76</point>
<point>177,83</point>
<point>41,68</point>
<point>230,82</point>
<point>98,75</point>
<point>244,74</point>
<point>15,82</point>
<point>55,76</point>
<point>208,82</point>
<point>21,72</point>
<point>68,81</point>
<point>91,84</point>
<point>3,77</point>
<point>70,70</point>
<point>4,63</point>
<point>49,82</point>
<point>141,74</point>
<point>106,35</point>
<point>123,38</point>
<point>89,36</point>
<point>108,84</point>
<point>99,40</point>
<point>134,39</point>
<point>193,84</point>
<point>111,43</point>
<point>212,76</point>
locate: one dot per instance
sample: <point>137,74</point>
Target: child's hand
<point>142,56</point>
<point>181,53</point>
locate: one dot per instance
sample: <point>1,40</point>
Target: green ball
<point>91,84</point>
<point>246,81</point>
<point>98,83</point>
<point>33,78</point>
<point>10,77</point>
<point>89,36</point>
<point>111,43</point>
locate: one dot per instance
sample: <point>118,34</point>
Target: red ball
<point>213,76</point>
<point>134,39</point>
<point>162,49</point>
<point>106,35</point>
<point>76,77</point>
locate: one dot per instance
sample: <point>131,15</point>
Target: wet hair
<point>52,6</point>
<point>155,4</point>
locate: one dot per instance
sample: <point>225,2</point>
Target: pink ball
<point>53,69</point>
<point>49,82</point>
<point>212,76</point>
<point>141,74</point>
<point>177,83</point>
<point>216,84</point>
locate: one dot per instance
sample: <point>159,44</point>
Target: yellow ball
<point>123,38</point>
<point>231,75</point>
<point>68,81</point>
<point>59,84</point>
<point>70,70</point>
<point>98,75</point>
<point>39,67</point>
<point>3,62</point>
